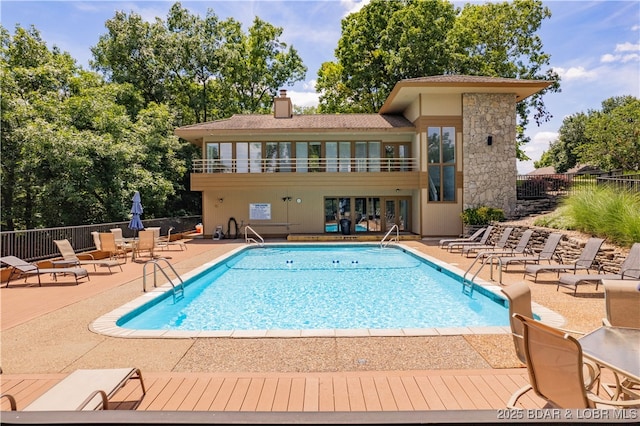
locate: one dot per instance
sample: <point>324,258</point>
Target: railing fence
<point>547,186</point>
<point>37,244</point>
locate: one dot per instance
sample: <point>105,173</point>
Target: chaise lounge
<point>24,269</point>
<point>584,262</point>
<point>83,390</point>
<point>69,254</point>
<point>630,269</point>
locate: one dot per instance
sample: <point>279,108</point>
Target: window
<point>441,150</point>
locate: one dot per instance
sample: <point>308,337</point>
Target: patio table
<point>616,348</point>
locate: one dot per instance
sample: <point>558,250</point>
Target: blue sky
<point>594,45</point>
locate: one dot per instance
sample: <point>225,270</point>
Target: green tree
<point>613,135</point>
<point>387,41</point>
<point>562,152</point>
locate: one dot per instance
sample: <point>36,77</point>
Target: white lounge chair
<point>69,254</point>
<point>85,390</point>
<point>24,269</point>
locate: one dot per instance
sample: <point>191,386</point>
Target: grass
<point>605,212</point>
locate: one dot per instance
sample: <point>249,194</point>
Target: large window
<point>366,214</point>
<point>441,156</point>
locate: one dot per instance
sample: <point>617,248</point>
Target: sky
<point>594,45</point>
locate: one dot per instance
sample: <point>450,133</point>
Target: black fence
<point>530,187</point>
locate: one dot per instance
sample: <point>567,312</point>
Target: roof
<point>251,123</point>
<point>406,91</point>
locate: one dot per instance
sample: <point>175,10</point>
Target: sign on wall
<point>260,211</point>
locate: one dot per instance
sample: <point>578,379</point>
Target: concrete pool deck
<point>46,329</point>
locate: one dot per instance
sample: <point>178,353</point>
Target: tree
<point>562,152</point>
<point>387,41</point>
<point>613,135</point>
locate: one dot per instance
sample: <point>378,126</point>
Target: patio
<point>45,336</point>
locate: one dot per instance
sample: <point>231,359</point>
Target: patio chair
<point>69,254</point>
<point>629,269</point>
<point>96,240</point>
<point>146,242</point>
<point>622,304</point>
<point>501,244</point>
<point>84,390</point>
<point>584,262</point>
<point>474,237</point>
<point>482,241</point>
<point>108,245</point>
<point>555,366</point>
<point>25,269</point>
<point>519,297</point>
<point>120,241</point>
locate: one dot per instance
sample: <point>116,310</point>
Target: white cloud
<point>540,142</point>
<point>352,6</point>
<point>575,73</point>
<point>303,99</point>
<point>627,47</point>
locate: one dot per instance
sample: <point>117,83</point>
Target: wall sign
<point>260,211</point>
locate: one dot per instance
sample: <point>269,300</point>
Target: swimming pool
<point>244,306</point>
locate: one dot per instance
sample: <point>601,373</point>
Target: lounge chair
<point>555,365</point>
<point>474,237</point>
<point>519,297</point>
<point>85,390</point>
<point>165,242</point>
<point>69,254</point>
<point>501,244</point>
<point>25,269</point>
<point>482,241</point>
<point>547,253</point>
<point>630,269</point>
<point>584,262</point>
<point>521,248</point>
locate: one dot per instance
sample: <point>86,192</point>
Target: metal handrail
<point>156,267</point>
<point>248,239</point>
<point>396,238</point>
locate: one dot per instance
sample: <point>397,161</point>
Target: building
<point>438,145</point>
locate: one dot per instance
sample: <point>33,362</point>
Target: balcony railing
<point>37,244</point>
<point>305,165</point>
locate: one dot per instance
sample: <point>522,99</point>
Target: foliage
<point>608,138</point>
<point>607,212</point>
<point>481,215</point>
<point>388,41</point>
<point>76,144</point>
<point>558,219</point>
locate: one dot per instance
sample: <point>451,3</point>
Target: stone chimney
<point>282,107</point>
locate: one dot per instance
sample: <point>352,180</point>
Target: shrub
<point>481,215</point>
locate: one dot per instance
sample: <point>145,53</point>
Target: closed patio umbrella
<point>135,223</point>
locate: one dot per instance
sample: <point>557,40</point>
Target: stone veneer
<point>489,171</point>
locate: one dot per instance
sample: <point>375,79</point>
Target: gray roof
<point>340,122</point>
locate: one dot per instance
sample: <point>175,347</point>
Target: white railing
<point>384,242</point>
<point>249,239</point>
<point>305,165</point>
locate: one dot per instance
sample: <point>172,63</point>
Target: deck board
<point>375,391</point>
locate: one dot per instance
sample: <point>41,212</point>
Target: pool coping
<point>107,323</point>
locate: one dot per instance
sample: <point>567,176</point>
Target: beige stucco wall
<point>489,171</point>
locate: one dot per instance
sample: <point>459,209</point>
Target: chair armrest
<point>84,256</point>
<point>623,273</point>
<point>612,403</point>
<point>103,396</point>
<point>12,401</point>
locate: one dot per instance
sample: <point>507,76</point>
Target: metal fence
<point>37,244</point>
<point>553,185</point>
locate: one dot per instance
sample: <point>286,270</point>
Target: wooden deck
<point>401,391</point>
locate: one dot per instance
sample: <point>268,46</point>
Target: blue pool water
<point>321,287</point>
<point>333,227</point>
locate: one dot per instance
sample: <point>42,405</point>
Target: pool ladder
<point>178,288</point>
<point>467,286</point>
<point>249,239</point>
<point>396,238</point>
